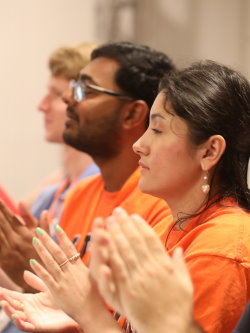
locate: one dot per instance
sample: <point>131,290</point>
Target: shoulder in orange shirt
<point>217,251</point>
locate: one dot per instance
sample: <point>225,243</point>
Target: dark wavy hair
<point>214,99</point>
<point>141,68</point>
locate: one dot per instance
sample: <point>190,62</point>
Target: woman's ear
<point>135,114</point>
<point>212,151</point>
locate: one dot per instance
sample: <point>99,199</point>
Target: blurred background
<point>187,30</point>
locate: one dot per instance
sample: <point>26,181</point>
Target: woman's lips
<point>143,166</point>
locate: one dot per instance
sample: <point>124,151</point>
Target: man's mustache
<point>72,114</point>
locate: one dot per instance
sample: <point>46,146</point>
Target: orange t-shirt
<point>89,200</point>
<point>217,251</point>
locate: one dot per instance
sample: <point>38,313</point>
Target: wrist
<point>174,323</point>
<point>87,319</point>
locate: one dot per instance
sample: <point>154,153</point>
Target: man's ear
<point>135,114</point>
<point>212,151</point>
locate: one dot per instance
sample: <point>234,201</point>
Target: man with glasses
<point>108,108</point>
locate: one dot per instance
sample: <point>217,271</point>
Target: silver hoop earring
<point>205,187</point>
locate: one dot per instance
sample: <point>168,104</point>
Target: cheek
<point>60,111</point>
<point>167,156</point>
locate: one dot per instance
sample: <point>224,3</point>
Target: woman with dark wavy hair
<point>194,155</point>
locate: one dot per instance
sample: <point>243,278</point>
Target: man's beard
<point>100,138</point>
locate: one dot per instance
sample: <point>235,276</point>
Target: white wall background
<point>31,29</point>
<point>196,29</point>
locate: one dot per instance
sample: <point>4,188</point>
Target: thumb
<point>30,221</point>
<point>34,281</point>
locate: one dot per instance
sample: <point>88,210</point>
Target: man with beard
<point>107,112</point>
<point>108,108</point>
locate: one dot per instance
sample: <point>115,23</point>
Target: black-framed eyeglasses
<point>79,91</point>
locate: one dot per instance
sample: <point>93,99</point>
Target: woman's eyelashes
<point>156,131</point>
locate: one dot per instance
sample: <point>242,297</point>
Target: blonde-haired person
<point>64,65</point>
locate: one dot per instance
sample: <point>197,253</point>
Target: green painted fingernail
<point>35,240</point>
<point>13,317</point>
<point>58,228</point>
<point>39,231</point>
<point>0,305</point>
<point>32,262</point>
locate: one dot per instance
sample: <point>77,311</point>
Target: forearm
<point>97,318</point>
<point>174,323</point>
<point>100,322</point>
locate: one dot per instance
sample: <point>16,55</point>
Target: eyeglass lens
<point>78,92</point>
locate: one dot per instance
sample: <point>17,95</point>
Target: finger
<point>133,235</point>
<point>121,265</point>
<point>45,221</point>
<point>20,320</point>
<point>10,218</point>
<point>106,284</point>
<point>65,243</point>
<point>14,294</point>
<point>181,266</point>
<point>8,309</point>
<point>179,261</point>
<point>99,250</point>
<point>28,218</point>
<point>4,229</point>
<point>34,281</point>
<point>153,243</point>
<point>7,227</point>
<point>106,265</point>
<point>24,325</point>
<point>121,244</point>
<point>46,276</point>
<point>54,257</point>
<point>14,304</point>
<point>50,253</point>
<point>99,223</point>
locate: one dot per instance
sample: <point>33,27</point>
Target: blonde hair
<point>67,61</point>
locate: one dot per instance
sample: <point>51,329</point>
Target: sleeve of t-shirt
<point>220,296</point>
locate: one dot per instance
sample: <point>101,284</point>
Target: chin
<point>143,187</point>
<point>51,139</point>
<point>48,138</point>
<point>148,189</point>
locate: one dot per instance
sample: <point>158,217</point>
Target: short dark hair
<point>214,99</point>
<point>141,68</point>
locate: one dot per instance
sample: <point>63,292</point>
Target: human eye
<point>55,93</point>
<point>156,131</point>
<point>88,92</point>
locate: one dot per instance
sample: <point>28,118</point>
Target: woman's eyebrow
<point>156,115</point>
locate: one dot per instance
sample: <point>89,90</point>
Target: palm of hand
<point>40,315</point>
